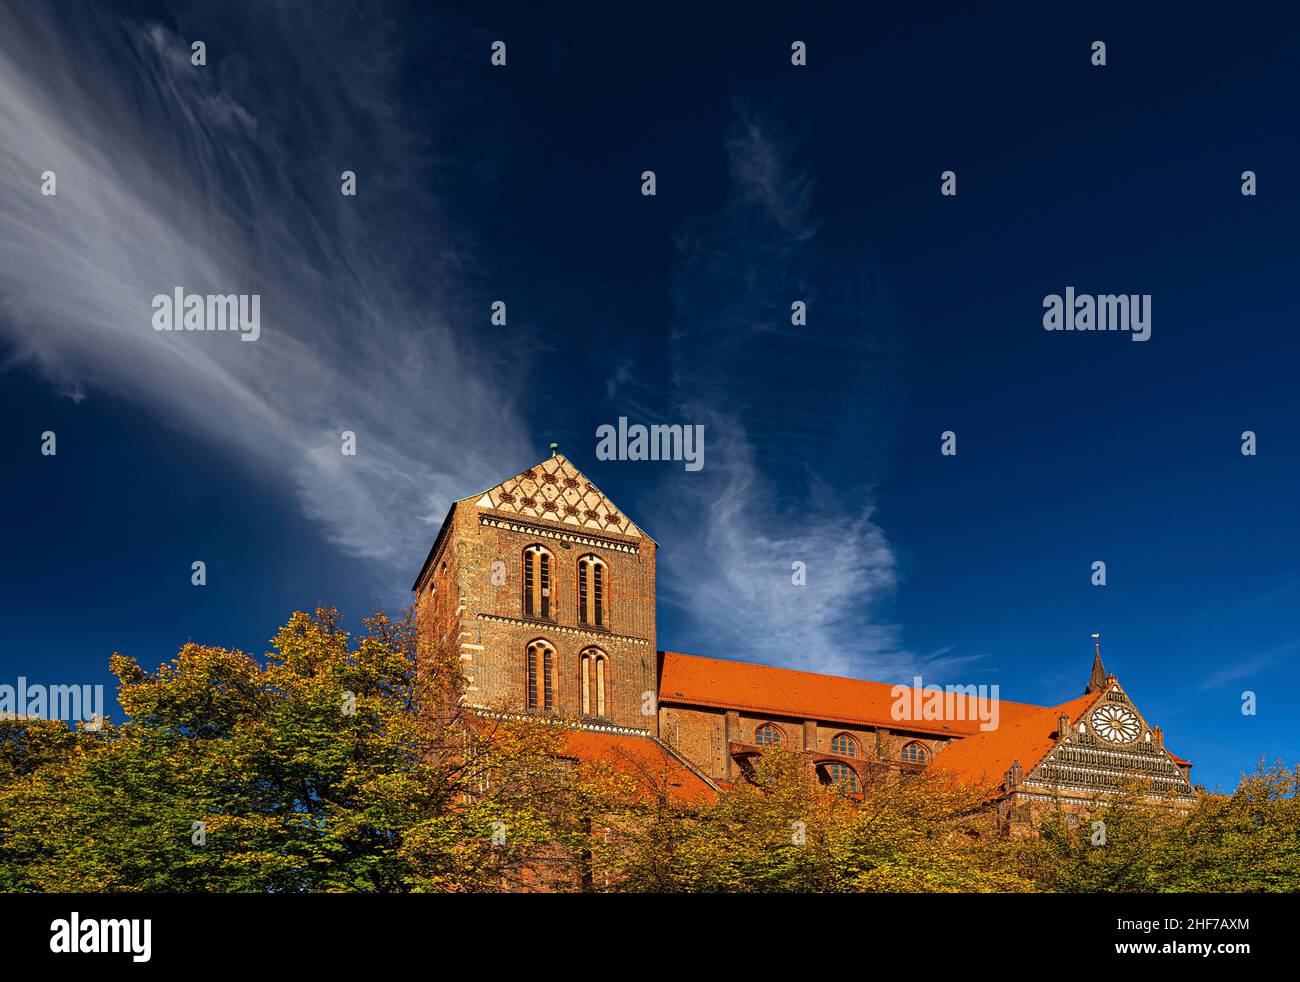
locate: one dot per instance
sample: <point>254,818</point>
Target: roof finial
<point>555,448</point>
<point>1097,680</point>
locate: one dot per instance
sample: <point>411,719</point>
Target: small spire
<point>1097,680</point>
<point>555,449</point>
<point>1014,776</point>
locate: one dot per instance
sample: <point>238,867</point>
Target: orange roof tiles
<point>763,690</point>
<point>985,758</point>
<point>647,761</point>
<point>975,756</point>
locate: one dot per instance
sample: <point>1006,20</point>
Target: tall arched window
<point>767,735</point>
<point>844,745</point>
<point>843,774</point>
<point>915,753</point>
<point>595,683</point>
<point>541,675</point>
<point>593,586</point>
<point>537,582</point>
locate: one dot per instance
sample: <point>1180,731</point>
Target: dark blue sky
<point>775,183</point>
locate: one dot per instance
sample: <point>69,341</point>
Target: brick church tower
<point>548,592</point>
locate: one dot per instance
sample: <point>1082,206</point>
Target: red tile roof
<point>985,758</point>
<point>651,764</point>
<point>762,690</point>
<point>975,756</point>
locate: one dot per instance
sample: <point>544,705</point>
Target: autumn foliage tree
<point>781,829</point>
<point>328,766</point>
<point>340,763</point>
<point>1248,841</point>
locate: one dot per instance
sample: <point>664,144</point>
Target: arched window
<point>915,753</point>
<point>843,774</point>
<point>593,584</point>
<point>541,675</point>
<point>537,582</point>
<point>768,735</point>
<point>595,683</point>
<point>844,745</point>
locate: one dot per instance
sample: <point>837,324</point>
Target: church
<point>547,590</point>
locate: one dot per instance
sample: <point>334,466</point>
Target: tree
<point>782,830</point>
<point>1248,841</point>
<point>342,764</point>
<point>1115,847</point>
<point>325,768</point>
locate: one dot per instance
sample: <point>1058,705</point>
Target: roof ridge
<point>821,675</point>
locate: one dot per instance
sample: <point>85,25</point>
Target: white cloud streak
<point>761,505</point>
<point>216,181</point>
<point>737,581</point>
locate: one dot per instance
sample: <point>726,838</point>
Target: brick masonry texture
<point>460,602</point>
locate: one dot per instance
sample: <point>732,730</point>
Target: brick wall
<point>703,734</point>
<point>493,632</point>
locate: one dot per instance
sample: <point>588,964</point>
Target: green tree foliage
<point>1112,849</point>
<point>783,830</point>
<point>1248,841</point>
<point>330,767</point>
<point>349,764</point>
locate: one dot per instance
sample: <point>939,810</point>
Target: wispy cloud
<point>738,579</point>
<point>768,497</point>
<point>225,179</point>
<point>1232,671</point>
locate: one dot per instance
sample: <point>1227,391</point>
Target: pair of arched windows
<point>594,682</point>
<point>539,589</point>
<point>838,772</point>
<point>769,734</point>
<point>911,753</point>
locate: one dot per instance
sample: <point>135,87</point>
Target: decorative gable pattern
<point>1105,747</point>
<point>557,491</point>
<point>1088,747</point>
